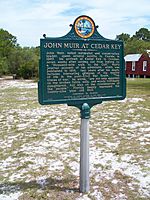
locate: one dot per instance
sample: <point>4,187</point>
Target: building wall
<point>139,67</point>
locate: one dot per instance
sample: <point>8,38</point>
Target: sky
<point>28,20</point>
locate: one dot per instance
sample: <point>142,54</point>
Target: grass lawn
<point>39,146</point>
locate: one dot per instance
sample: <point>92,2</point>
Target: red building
<point>137,65</point>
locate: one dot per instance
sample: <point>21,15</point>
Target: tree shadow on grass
<point>48,184</point>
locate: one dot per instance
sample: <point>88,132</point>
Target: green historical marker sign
<point>81,67</point>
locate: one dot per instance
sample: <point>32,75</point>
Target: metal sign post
<point>84,148</point>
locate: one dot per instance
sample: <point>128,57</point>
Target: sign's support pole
<point>84,149</point>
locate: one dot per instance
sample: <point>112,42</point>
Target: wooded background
<point>24,61</point>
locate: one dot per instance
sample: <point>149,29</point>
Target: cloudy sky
<point>29,19</point>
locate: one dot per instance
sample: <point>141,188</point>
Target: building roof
<point>132,57</point>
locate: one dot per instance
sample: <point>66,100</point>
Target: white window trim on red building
<point>133,65</point>
<point>144,65</point>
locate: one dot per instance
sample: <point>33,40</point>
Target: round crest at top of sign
<point>84,26</point>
